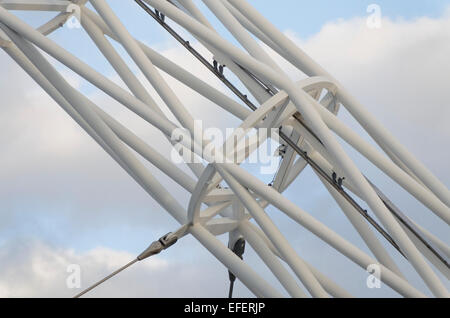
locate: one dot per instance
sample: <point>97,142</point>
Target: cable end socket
<point>158,246</point>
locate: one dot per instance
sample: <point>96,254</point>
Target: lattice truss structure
<point>225,198</point>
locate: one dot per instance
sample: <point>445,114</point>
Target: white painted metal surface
<point>307,111</point>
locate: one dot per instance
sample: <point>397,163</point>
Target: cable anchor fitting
<point>158,246</point>
<point>160,15</point>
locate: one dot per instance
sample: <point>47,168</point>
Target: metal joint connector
<point>168,240</point>
<point>158,246</point>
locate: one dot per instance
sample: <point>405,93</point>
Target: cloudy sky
<point>64,201</point>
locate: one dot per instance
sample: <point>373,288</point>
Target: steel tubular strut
<point>252,106</point>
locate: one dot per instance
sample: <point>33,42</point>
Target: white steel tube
<point>244,38</point>
<point>284,277</point>
<point>314,120</point>
<point>393,171</point>
<point>84,107</point>
<point>363,229</point>
<point>85,71</point>
<point>18,56</point>
<point>125,74</point>
<point>367,120</point>
<point>144,63</point>
<point>281,243</point>
<point>179,73</point>
<point>321,231</point>
<point>241,270</point>
<point>256,90</point>
<point>244,272</point>
<point>330,286</point>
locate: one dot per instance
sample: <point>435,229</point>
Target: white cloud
<point>37,269</point>
<point>399,72</point>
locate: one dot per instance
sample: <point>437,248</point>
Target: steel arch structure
<point>303,115</point>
